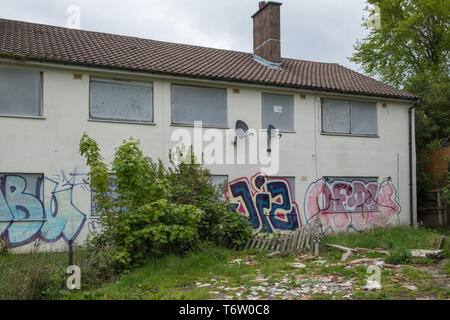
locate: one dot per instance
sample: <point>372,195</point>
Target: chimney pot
<point>262,4</point>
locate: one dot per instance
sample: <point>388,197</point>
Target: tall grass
<point>392,238</point>
<point>42,275</point>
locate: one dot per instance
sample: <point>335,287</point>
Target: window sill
<point>350,135</point>
<point>282,131</point>
<point>124,122</point>
<point>192,126</point>
<point>22,117</point>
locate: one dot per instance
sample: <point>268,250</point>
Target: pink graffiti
<point>341,205</point>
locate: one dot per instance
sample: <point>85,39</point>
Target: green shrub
<point>191,185</point>
<point>233,229</point>
<point>142,219</point>
<point>156,210</point>
<point>399,256</point>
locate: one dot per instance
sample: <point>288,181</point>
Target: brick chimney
<point>266,34</point>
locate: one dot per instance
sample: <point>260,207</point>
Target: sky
<point>315,30</point>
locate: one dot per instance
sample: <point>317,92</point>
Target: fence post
<point>70,252</point>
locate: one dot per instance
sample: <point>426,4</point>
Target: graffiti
<point>30,211</point>
<point>267,202</point>
<point>95,227</point>
<point>342,205</point>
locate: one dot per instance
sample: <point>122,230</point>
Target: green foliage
<point>412,39</point>
<point>191,185</point>
<point>233,229</point>
<point>410,49</point>
<point>446,190</point>
<point>399,256</point>
<point>157,210</point>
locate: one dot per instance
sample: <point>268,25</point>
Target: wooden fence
<point>305,239</point>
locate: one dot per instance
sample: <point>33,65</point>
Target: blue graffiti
<point>28,211</point>
<point>266,202</point>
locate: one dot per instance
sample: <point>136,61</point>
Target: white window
<point>349,117</point>
<point>190,103</point>
<point>121,100</point>
<point>278,110</point>
<point>20,92</point>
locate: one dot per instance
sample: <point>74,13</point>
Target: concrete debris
<point>347,255</point>
<point>412,288</point>
<point>305,257</point>
<point>298,265</point>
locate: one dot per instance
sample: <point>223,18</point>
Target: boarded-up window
<point>278,110</point>
<point>20,92</point>
<point>349,117</point>
<point>190,104</point>
<point>336,116</point>
<point>121,100</point>
<point>364,118</point>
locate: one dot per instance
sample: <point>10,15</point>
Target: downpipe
<point>411,169</point>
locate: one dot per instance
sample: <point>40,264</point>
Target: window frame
<point>129,82</point>
<point>367,135</point>
<point>293,111</point>
<point>185,124</point>
<point>40,100</point>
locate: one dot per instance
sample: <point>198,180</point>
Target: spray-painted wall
<point>54,204</point>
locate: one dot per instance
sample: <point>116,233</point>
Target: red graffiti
<point>341,205</point>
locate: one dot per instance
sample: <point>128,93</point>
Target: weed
<point>399,256</point>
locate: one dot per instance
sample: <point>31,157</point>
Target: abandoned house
<point>346,151</point>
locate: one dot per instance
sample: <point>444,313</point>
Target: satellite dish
<point>241,130</point>
<point>271,133</point>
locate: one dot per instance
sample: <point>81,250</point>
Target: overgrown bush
<point>191,185</point>
<point>157,210</point>
<point>399,256</point>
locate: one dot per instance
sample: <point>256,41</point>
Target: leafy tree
<point>156,210</point>
<point>409,48</point>
<point>411,40</point>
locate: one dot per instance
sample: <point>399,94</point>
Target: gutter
<point>411,172</point>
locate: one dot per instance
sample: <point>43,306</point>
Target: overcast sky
<point>316,30</point>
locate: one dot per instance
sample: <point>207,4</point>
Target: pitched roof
<point>69,46</point>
